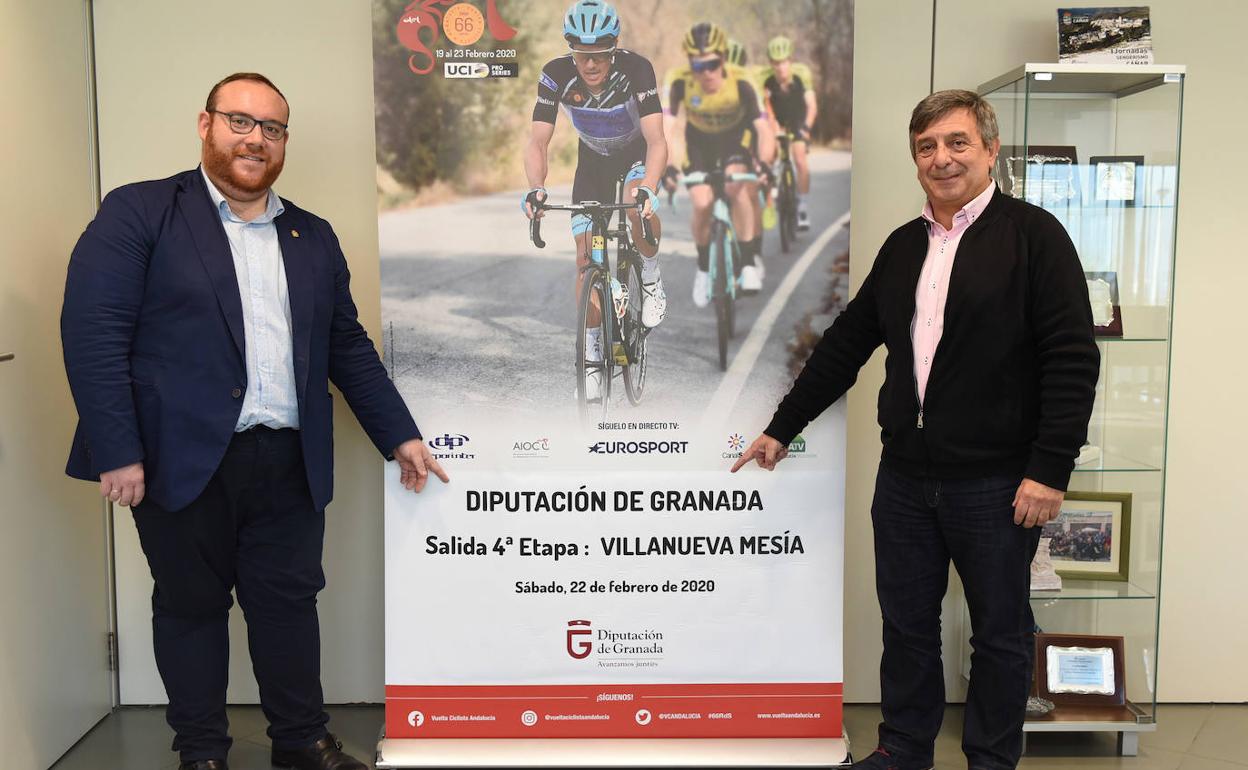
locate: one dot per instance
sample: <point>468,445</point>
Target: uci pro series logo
<point>463,69</point>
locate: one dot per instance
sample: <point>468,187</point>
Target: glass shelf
<point>1093,589</point>
<point>1109,462</point>
<point>1108,340</point>
<point>1067,79</point>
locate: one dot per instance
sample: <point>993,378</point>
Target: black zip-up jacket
<point>1013,381</point>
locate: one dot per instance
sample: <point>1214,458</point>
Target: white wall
<point>151,62</point>
<point>156,62</point>
<point>54,683</point>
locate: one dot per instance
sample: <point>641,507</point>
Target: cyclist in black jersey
<point>611,97</point>
<point>791,103</point>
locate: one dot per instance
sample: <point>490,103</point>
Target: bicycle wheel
<point>595,291</point>
<point>631,356</point>
<point>788,207</point>
<point>721,288</point>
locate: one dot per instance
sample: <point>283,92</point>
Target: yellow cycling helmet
<point>704,38</point>
<point>736,53</point>
<point>779,48</point>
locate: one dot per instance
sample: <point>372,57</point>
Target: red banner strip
<point>755,710</point>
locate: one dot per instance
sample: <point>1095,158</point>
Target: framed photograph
<point>1106,309</point>
<point>1091,538</point>
<point>1046,175</point>
<point>1116,179</point>
<point>1078,669</point>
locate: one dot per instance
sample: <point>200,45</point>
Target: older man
<point>203,319</point>
<point>990,378</point>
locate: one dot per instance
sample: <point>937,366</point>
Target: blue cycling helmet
<point>591,21</point>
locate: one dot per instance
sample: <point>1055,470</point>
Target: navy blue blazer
<point>152,330</point>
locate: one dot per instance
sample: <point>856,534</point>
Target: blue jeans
<point>920,525</point>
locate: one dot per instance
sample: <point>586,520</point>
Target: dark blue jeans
<point>920,525</point>
<point>255,531</point>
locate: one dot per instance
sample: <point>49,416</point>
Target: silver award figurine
<point>1101,295</point>
<point>1044,576</point>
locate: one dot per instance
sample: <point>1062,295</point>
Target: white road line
<point>734,379</point>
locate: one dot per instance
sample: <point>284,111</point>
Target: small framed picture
<point>1078,669</point>
<point>1116,178</point>
<point>1091,538</point>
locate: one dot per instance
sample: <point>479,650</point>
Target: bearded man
<point>204,317</point>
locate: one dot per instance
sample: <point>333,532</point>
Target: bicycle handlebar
<point>588,207</point>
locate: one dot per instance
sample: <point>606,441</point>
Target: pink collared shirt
<point>928,323</point>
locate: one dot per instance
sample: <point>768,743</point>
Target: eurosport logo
<point>639,448</point>
<point>450,446</point>
<point>464,69</point>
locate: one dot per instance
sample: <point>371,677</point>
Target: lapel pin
<point>294,233</point>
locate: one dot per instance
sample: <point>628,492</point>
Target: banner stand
<point>613,752</point>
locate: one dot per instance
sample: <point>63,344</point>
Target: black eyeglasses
<point>242,123</point>
<point>706,65</point>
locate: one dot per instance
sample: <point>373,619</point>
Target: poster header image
<point>547,249</point>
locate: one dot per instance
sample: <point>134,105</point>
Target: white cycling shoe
<point>803,219</point>
<point>593,385</point>
<point>653,303</point>
<point>750,281</point>
<point>701,288</point>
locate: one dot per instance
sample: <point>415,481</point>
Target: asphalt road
<point>475,316</point>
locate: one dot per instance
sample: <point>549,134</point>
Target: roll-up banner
<point>593,570</point>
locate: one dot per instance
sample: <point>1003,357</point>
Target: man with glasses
<point>988,388</point>
<point>612,99</point>
<point>204,317</point>
<point>721,110</point>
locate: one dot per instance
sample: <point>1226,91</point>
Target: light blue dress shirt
<point>271,398</point>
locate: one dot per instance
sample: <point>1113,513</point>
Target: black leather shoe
<point>325,754</point>
<point>204,764</point>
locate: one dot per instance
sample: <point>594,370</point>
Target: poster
<point>597,572</point>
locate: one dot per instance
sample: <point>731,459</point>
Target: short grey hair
<point>937,105</point>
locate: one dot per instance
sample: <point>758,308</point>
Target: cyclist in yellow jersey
<point>789,89</point>
<point>719,107</point>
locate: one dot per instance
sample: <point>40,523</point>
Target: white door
<point>54,678</point>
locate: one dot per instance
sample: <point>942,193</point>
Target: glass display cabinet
<point>1098,146</point>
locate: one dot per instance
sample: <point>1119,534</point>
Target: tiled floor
<point>1188,737</point>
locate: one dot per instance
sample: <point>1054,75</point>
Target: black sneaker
<point>881,759</point>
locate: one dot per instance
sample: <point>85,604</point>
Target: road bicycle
<point>614,294</point>
<point>786,192</point>
<point>725,252</point>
